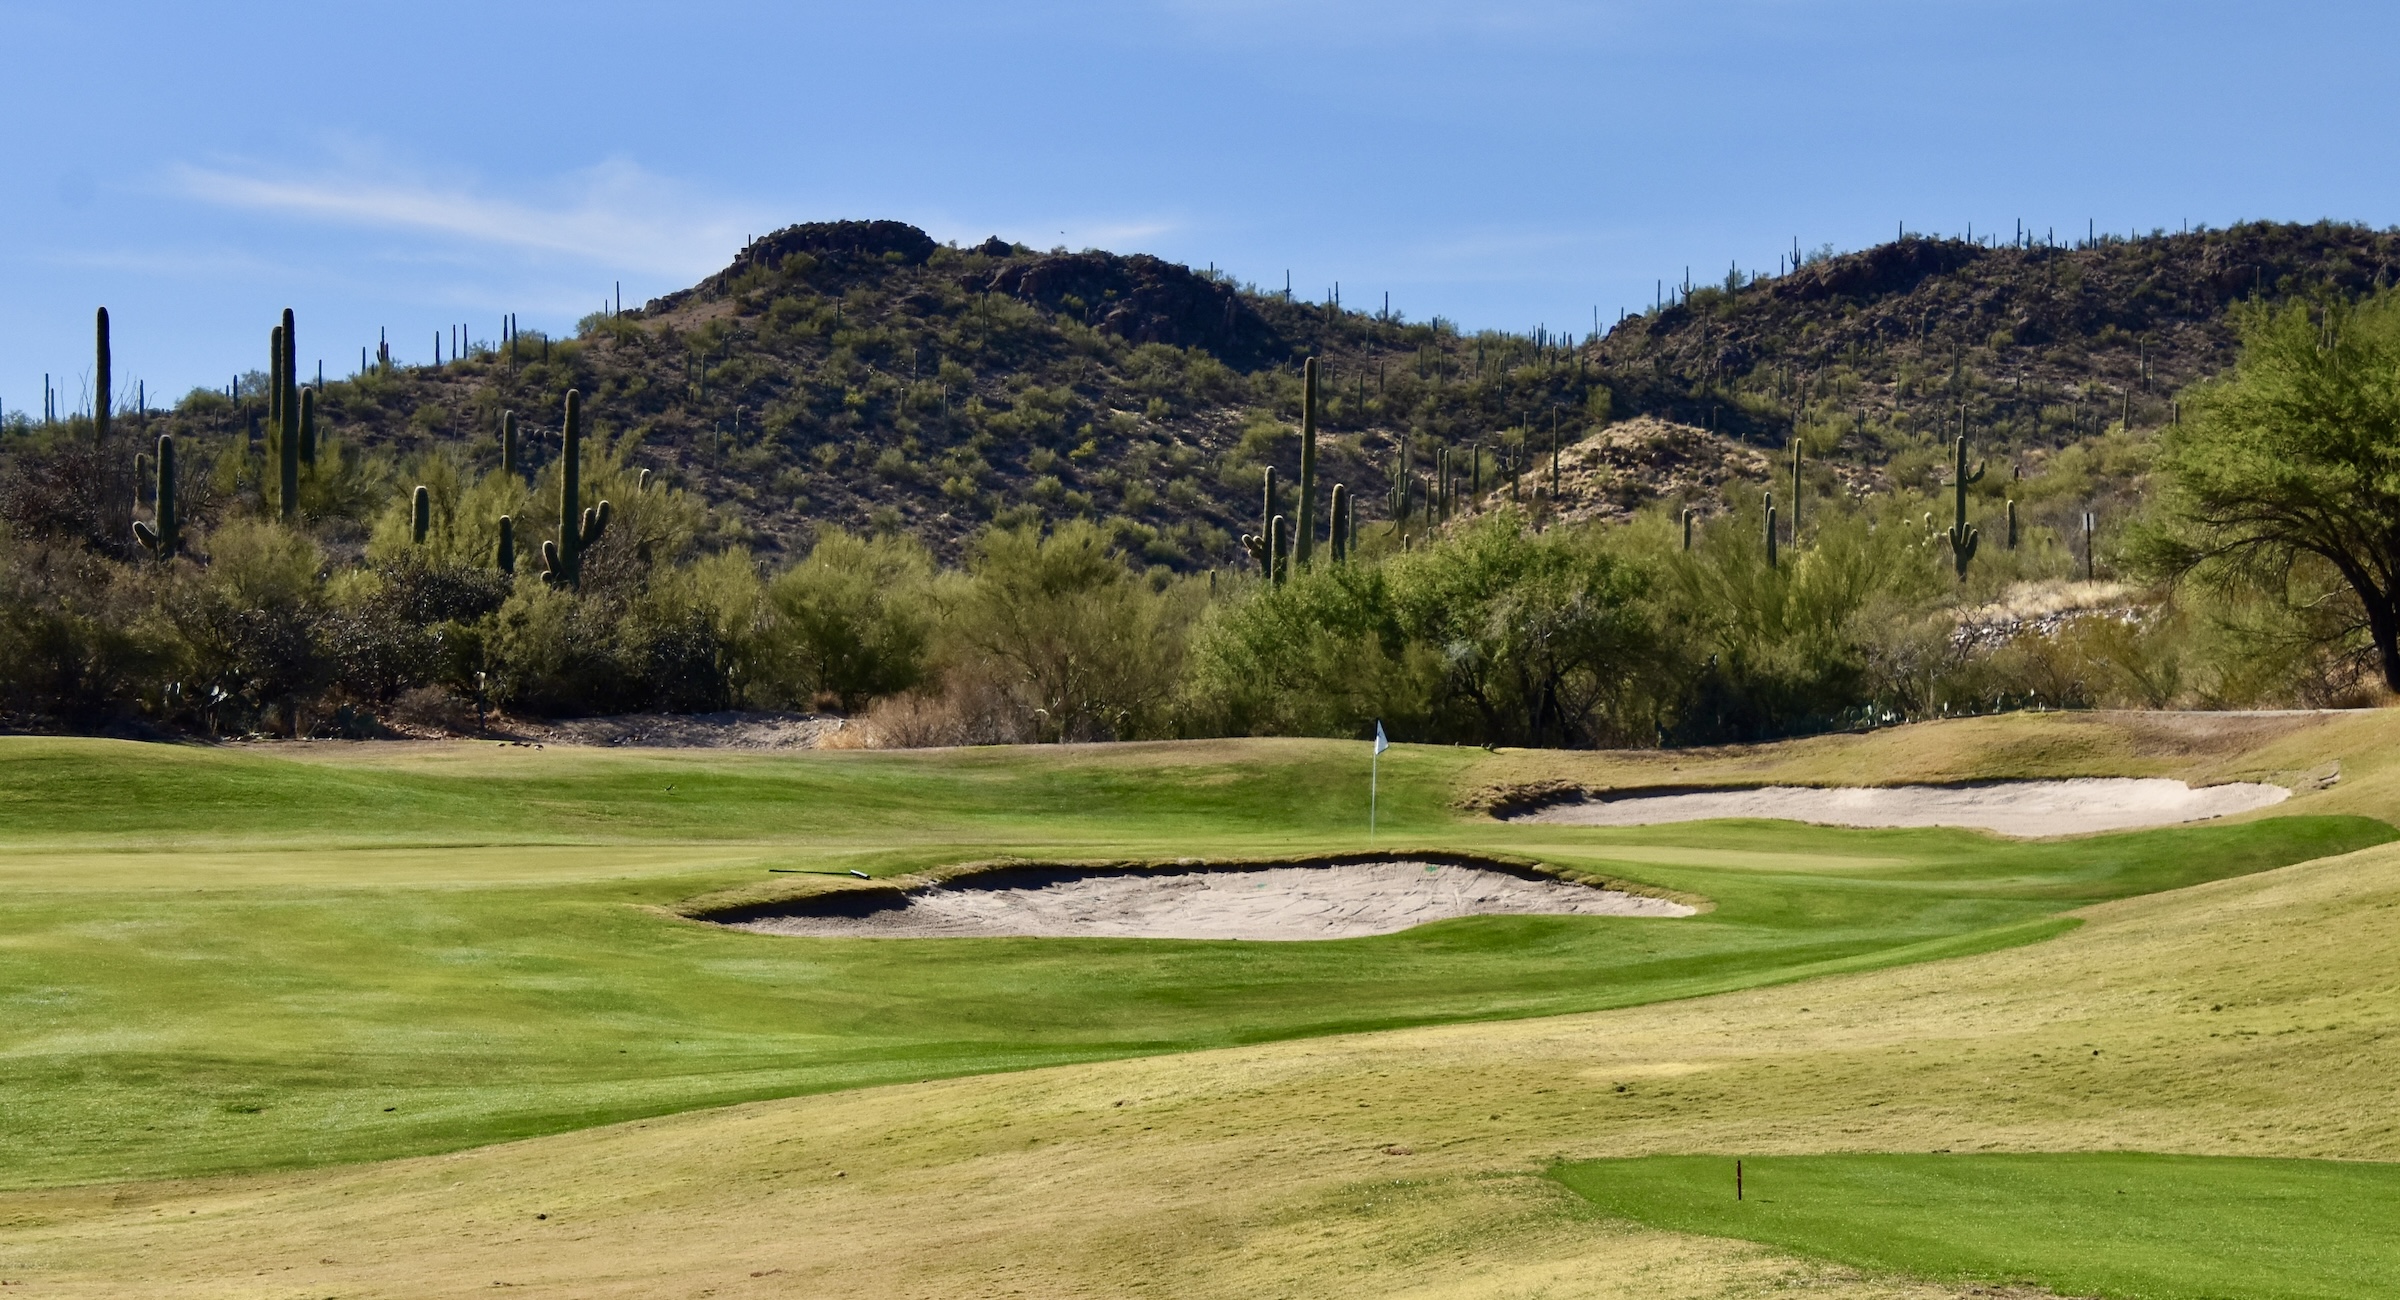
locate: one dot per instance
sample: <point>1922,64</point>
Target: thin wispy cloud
<point>615,215</point>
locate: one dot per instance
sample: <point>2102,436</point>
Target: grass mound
<point>2142,1227</point>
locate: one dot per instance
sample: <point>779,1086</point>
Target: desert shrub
<point>251,623</point>
<point>79,645</point>
<point>1323,654</point>
<point>1772,650</point>
<point>1083,650</point>
<point>852,622</point>
<point>1540,638</point>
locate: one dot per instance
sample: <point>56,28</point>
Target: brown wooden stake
<point>1737,1180</point>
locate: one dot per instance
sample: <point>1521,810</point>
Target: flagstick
<point>1374,778</point>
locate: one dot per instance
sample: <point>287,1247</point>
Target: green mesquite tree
<point>2290,463</point>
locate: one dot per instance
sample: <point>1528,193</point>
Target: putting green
<point>224,960</point>
<point>2142,1227</point>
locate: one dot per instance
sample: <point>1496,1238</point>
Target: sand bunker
<point>1332,901</point>
<point>2009,807</point>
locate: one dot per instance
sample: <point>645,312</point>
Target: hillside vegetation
<point>994,495</point>
<point>859,374</point>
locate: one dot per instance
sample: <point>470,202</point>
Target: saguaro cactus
<point>274,381</point>
<point>1341,523</point>
<point>163,539</point>
<point>420,514</point>
<point>1307,532</point>
<point>1795,489</point>
<point>1688,515</point>
<point>1963,536</point>
<point>562,560</point>
<point>102,386</point>
<point>291,377</point>
<point>1278,551</point>
<point>1770,530</point>
<point>308,426</point>
<point>508,442</point>
<point>504,556</point>
<point>2012,523</point>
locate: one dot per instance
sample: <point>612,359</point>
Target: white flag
<point>1381,744</point>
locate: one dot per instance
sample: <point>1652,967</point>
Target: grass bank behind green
<point>2125,1226</point>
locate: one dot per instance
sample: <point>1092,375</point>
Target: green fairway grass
<point>226,959</point>
<point>2140,1227</point>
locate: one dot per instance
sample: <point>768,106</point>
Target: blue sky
<point>1506,163</point>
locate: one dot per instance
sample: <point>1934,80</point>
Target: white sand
<point>2028,808</point>
<point>1337,901</point>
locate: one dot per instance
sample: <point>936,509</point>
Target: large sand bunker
<point>2010,807</point>
<point>1326,901</point>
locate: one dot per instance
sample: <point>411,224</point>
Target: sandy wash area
<point>2026,808</point>
<point>1327,901</point>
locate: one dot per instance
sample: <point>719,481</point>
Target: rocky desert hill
<point>859,373</point>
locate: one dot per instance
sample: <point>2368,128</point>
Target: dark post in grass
<point>1737,1180</point>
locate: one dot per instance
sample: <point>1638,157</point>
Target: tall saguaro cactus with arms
<point>1963,536</point>
<point>578,531</point>
<point>101,379</point>
<point>163,539</point>
<point>1306,534</point>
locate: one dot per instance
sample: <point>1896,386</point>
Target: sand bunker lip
<point>2021,808</point>
<point>1267,901</point>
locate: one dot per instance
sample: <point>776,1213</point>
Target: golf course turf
<point>239,980</point>
<point>227,960</point>
<point>2141,1227</point>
